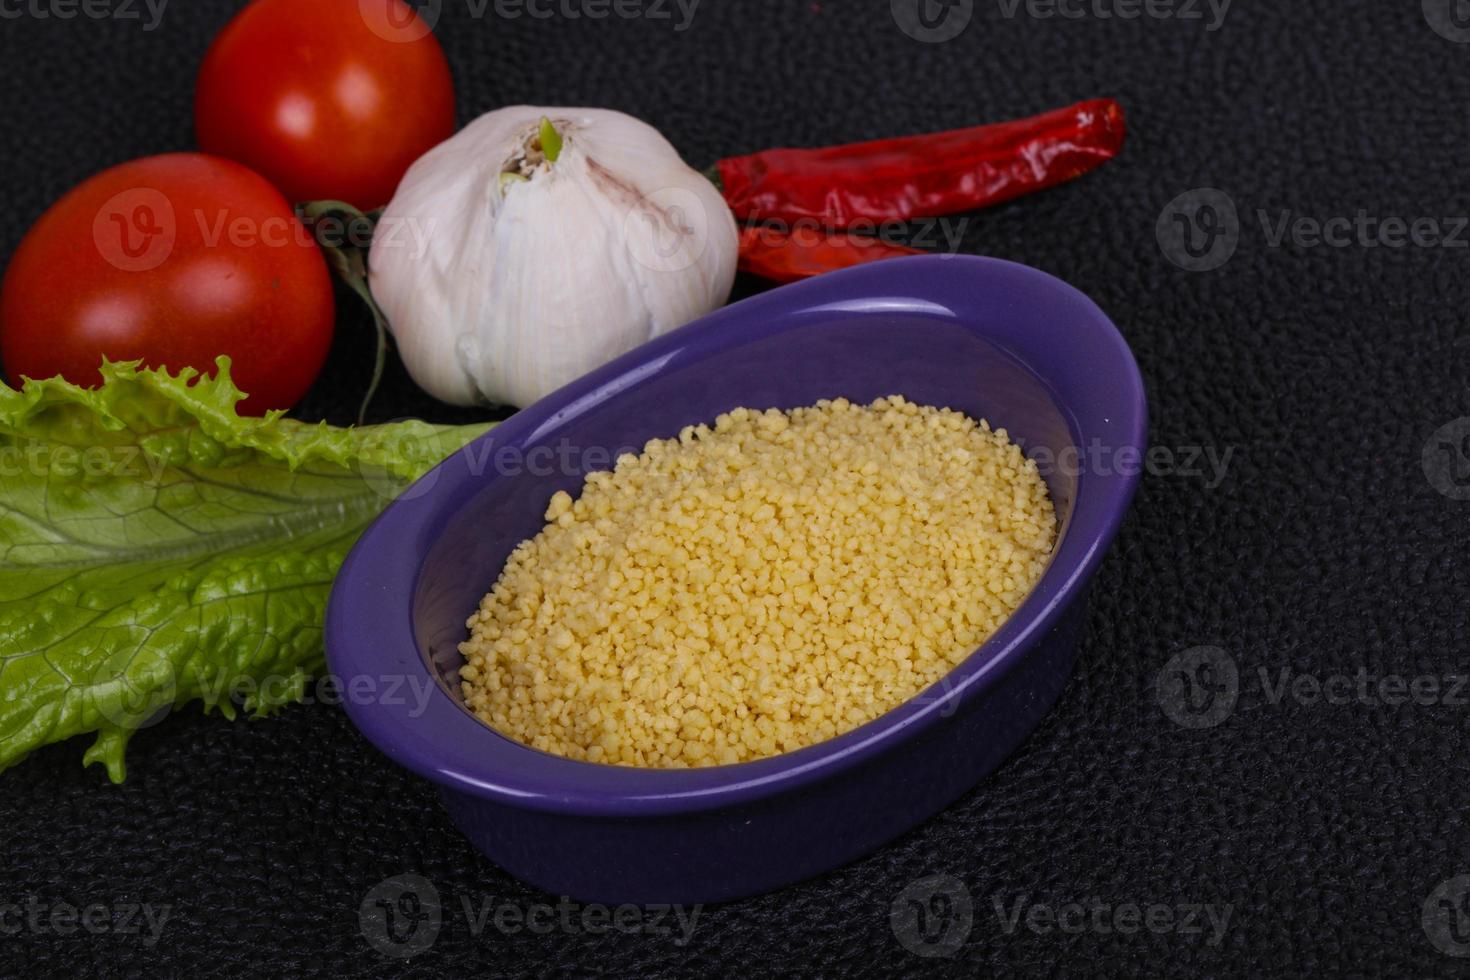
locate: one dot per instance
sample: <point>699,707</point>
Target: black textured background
<point>1326,547</point>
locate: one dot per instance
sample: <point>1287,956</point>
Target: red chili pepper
<point>922,176</point>
<point>772,253</point>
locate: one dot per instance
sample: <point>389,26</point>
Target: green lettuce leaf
<point>156,549</point>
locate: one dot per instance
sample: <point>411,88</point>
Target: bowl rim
<point>447,744</point>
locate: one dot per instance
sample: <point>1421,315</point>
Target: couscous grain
<point>753,587</point>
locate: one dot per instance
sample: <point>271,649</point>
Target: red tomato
<point>329,99</point>
<point>172,260</point>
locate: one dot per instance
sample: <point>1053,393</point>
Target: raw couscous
<point>757,586</point>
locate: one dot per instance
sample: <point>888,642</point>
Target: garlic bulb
<point>538,244</point>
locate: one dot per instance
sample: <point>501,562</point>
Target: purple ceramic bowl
<point>990,338</point>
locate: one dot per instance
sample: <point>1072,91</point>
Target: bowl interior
<point>927,356</point>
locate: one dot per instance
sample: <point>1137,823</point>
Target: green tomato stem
<point>345,235</point>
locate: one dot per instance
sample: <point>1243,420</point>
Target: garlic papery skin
<point>501,290</point>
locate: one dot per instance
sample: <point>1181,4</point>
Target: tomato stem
<point>345,235</point>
